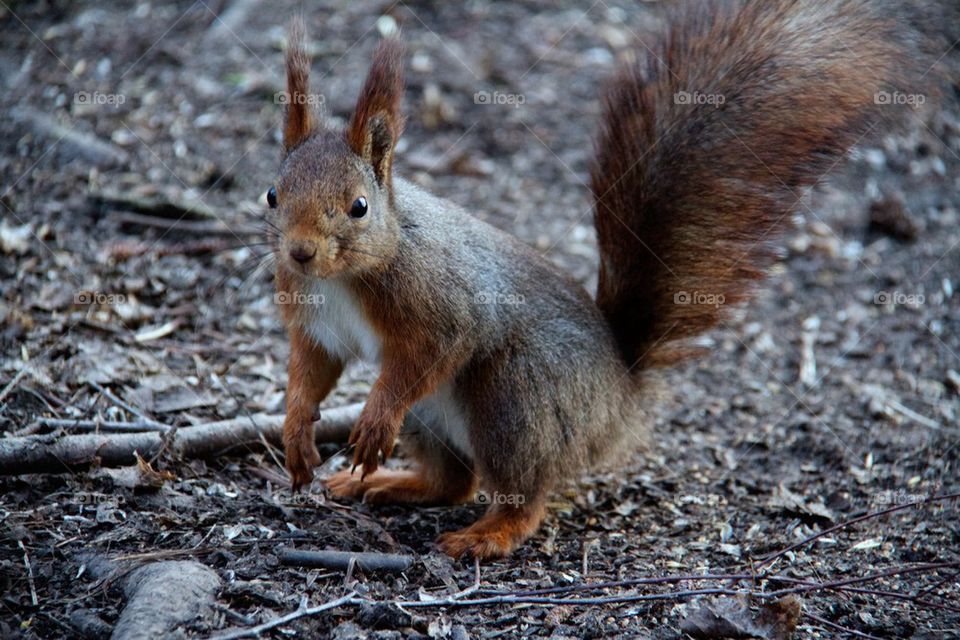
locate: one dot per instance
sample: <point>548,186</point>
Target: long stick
<point>54,453</point>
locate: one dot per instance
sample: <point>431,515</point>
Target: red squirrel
<point>701,154</point>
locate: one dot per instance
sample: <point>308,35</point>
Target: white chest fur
<point>337,322</point>
<point>443,415</point>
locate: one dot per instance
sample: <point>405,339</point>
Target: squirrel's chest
<point>333,316</point>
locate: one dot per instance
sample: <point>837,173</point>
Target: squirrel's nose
<point>302,252</point>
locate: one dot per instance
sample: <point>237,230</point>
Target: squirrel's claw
<point>300,465</point>
<point>370,441</point>
<point>301,456</point>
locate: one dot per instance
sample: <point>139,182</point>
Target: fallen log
<point>164,596</point>
<point>57,452</point>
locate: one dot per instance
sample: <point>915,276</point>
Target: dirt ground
<point>107,105</point>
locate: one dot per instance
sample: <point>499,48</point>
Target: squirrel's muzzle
<point>310,256</point>
<point>302,252</point>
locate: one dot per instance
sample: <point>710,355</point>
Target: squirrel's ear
<point>299,122</point>
<point>377,124</point>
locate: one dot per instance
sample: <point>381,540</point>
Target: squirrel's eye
<point>359,208</point>
<point>272,197</point>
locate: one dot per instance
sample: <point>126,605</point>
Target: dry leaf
<point>732,618</point>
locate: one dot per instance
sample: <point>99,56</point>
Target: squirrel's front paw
<point>370,439</point>
<point>302,456</point>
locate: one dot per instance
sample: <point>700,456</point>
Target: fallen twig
<point>619,584</point>
<point>126,250</point>
<point>26,561</point>
<point>894,595</point>
<point>769,558</point>
<point>339,560</point>
<point>169,206</point>
<point>185,225</point>
<point>626,598</point>
<point>57,452</point>
<point>123,404</point>
<point>840,584</point>
<point>301,612</point>
<point>12,384</point>
<point>839,627</point>
<point>138,426</point>
<point>92,149</point>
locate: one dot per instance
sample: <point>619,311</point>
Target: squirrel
<point>702,154</point>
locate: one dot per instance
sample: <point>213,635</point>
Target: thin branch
<point>896,595</point>
<point>13,384</point>
<point>595,601</point>
<point>839,627</point>
<point>26,561</point>
<point>123,404</point>
<point>896,571</point>
<point>615,584</point>
<point>302,612</point>
<point>769,558</point>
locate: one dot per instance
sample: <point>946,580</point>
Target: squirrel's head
<point>333,200</point>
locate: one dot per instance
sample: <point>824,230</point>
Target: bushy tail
<point>705,147</point>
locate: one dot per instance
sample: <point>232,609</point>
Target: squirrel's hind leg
<point>502,529</point>
<point>441,476</point>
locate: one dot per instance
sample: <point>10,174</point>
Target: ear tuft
<point>377,123</point>
<point>299,123</point>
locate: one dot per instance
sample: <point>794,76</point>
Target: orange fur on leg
<point>386,486</point>
<point>311,375</point>
<point>501,530</point>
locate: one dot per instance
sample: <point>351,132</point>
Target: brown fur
<point>690,197</point>
<point>377,122</point>
<point>300,120</point>
<point>515,397</point>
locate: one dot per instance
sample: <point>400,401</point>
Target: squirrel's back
<point>540,352</point>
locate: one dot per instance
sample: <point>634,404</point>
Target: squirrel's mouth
<point>312,270</point>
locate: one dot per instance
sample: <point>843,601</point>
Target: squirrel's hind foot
<point>501,530</point>
<point>386,486</point>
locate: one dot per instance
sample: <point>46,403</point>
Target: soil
<point>175,103</point>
